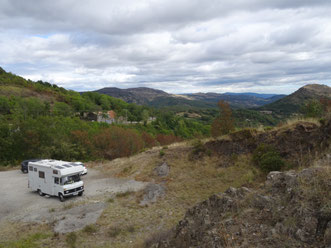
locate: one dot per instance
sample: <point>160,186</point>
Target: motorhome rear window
<point>30,168</point>
<point>55,172</point>
<point>41,174</point>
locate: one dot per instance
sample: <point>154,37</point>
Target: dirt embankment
<point>299,143</point>
<point>292,210</point>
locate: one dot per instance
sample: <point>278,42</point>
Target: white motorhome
<point>55,177</point>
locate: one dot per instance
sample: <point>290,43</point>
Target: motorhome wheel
<point>61,197</point>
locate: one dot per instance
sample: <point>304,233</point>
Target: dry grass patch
<point>188,183</point>
<point>290,124</point>
<point>124,223</point>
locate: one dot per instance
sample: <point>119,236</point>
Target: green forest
<point>42,120</point>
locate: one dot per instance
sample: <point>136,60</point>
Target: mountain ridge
<point>154,97</point>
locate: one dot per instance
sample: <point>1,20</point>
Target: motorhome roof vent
<point>74,164</point>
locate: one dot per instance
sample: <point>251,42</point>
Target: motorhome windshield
<point>70,179</point>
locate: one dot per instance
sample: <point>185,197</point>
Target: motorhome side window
<point>41,174</point>
<point>30,168</point>
<point>35,169</point>
<point>56,180</point>
<point>55,171</point>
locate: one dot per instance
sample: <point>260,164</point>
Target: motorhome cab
<point>54,177</point>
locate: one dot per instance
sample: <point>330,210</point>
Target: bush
<point>113,232</point>
<point>116,142</point>
<point>199,150</point>
<point>148,139</point>
<point>267,158</point>
<point>71,239</point>
<point>165,139</point>
<point>161,153</point>
<point>90,229</point>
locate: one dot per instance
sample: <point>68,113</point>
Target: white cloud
<point>178,46</point>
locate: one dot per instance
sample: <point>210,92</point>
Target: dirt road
<point>19,203</point>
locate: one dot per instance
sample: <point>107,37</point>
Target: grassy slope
<point>124,223</point>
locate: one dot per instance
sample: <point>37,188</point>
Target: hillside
<point>287,212</point>
<point>294,102</point>
<point>241,217</point>
<point>290,210</point>
<point>160,99</point>
<point>38,119</point>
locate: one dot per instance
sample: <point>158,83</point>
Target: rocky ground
<point>291,210</point>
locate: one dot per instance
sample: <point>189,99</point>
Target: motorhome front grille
<point>73,190</point>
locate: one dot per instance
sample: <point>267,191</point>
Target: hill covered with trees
<point>293,103</point>
<point>39,119</point>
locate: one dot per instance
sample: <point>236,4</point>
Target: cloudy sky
<point>180,46</point>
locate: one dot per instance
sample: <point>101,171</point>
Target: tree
<point>145,116</point>
<point>223,124</point>
<point>61,108</point>
<point>4,105</point>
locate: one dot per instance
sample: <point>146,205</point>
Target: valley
<point>153,169</point>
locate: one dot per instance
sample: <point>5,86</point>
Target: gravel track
<point>19,203</point>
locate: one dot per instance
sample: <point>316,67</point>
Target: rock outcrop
<point>162,170</point>
<point>291,210</point>
<point>152,192</point>
<point>298,143</point>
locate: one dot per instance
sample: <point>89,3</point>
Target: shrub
<point>90,229</point>
<point>114,232</point>
<point>71,239</point>
<point>148,139</point>
<point>199,150</point>
<point>167,139</point>
<point>161,153</point>
<point>267,158</point>
<point>116,142</point>
<point>223,124</point>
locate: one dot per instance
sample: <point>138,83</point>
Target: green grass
<point>32,241</point>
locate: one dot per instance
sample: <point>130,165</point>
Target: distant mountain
<point>254,94</point>
<point>159,98</point>
<point>293,102</point>
<point>141,95</point>
<point>236,100</point>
